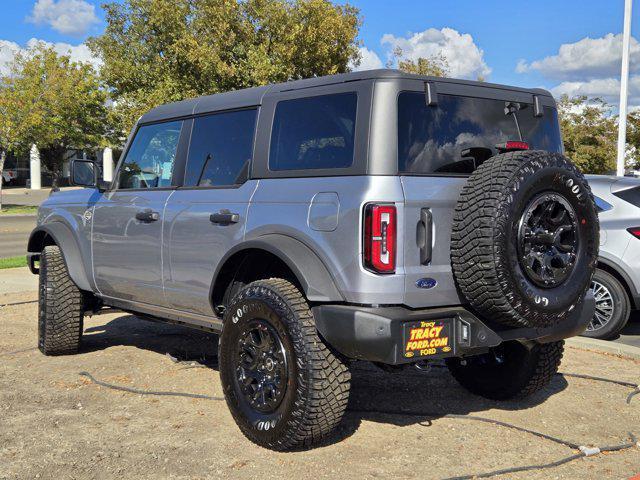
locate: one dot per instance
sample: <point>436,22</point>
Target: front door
<point>207,217</point>
<point>127,221</point>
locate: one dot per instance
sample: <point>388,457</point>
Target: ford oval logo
<point>426,283</point>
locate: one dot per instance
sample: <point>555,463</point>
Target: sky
<point>566,46</point>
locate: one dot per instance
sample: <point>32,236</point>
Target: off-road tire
<point>484,239</point>
<point>318,379</point>
<point>521,371</point>
<point>60,306</point>
<point>621,307</point>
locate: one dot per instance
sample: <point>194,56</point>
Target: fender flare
<point>64,238</point>
<point>314,277</point>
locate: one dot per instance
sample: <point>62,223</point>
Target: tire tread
<point>61,309</point>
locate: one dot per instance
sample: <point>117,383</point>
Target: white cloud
<point>465,58</point>
<point>369,60</point>
<point>586,59</point>
<point>70,17</point>
<point>606,88</point>
<point>78,53</point>
<point>8,50</point>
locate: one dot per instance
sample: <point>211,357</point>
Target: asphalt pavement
<point>15,229</point>
<point>24,196</point>
<point>14,234</point>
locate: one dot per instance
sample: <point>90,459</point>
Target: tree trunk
<point>3,156</point>
<point>52,157</point>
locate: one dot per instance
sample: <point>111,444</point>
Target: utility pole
<point>624,88</point>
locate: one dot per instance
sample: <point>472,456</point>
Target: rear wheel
<point>60,306</point>
<point>285,388</point>
<point>511,370</point>
<point>612,307</point>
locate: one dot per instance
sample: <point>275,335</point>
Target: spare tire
<point>525,238</point>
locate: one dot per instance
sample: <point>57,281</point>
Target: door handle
<point>147,216</point>
<point>224,217</point>
<point>425,236</point>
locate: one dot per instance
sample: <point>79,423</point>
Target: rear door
<point>127,220</point>
<point>207,216</point>
<point>439,146</point>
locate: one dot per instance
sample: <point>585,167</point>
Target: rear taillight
<point>512,146</point>
<point>635,231</point>
<point>380,238</point>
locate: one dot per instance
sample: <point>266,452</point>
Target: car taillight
<point>380,238</point>
<point>635,231</point>
<point>512,146</point>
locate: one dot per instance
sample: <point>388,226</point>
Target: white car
<point>8,177</point>
<point>616,282</point>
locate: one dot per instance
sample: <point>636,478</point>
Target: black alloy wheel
<point>261,369</point>
<point>548,239</point>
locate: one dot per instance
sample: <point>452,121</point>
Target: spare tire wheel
<point>524,240</point>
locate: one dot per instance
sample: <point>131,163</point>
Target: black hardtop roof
<point>253,96</point>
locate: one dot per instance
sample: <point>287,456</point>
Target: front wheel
<point>60,306</point>
<point>511,370</point>
<point>285,388</point>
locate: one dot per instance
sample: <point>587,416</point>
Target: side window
<point>150,158</point>
<point>314,132</point>
<point>221,149</point>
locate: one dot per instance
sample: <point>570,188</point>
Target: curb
<point>627,351</point>
<point>18,215</point>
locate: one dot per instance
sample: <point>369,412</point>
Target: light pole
<point>624,88</point>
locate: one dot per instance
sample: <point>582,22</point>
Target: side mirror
<point>83,173</point>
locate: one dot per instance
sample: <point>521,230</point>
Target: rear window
<point>460,132</point>
<point>314,133</point>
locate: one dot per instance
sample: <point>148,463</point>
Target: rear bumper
<point>380,334</point>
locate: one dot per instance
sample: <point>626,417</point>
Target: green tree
<point>71,100</point>
<point>589,131</point>
<point>633,140</point>
<point>21,115</point>
<point>157,51</point>
<point>433,66</point>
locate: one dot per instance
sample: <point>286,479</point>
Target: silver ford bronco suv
<point>371,216</point>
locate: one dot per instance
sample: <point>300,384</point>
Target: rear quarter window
<point>438,139</point>
<point>314,133</point>
<point>631,195</point>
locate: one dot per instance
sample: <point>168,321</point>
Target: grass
<point>13,262</point>
<point>9,209</point>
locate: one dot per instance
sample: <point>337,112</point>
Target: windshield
<point>461,132</point>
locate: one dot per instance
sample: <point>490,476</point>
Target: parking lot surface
<point>55,422</point>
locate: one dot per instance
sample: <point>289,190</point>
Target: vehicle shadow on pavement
<point>407,397</point>
<point>633,326</point>
<point>181,343</point>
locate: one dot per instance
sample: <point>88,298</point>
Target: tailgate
<point>428,212</point>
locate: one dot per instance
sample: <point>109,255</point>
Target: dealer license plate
<point>426,338</point>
